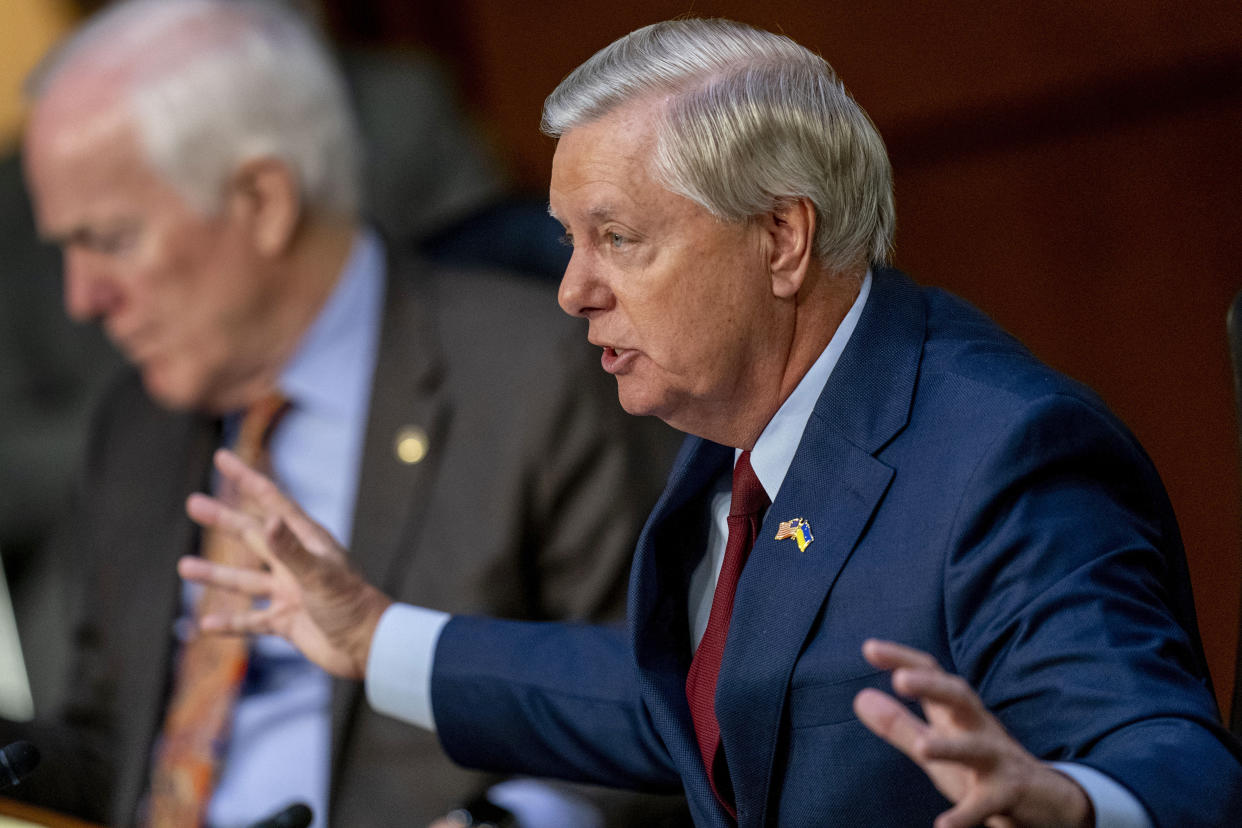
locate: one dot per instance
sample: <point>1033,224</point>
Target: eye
<point>616,240</point>
<point>110,241</point>
<point>115,242</point>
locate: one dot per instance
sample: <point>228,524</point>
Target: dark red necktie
<point>745,515</point>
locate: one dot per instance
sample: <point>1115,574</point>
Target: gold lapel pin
<point>798,529</point>
<point>411,444</point>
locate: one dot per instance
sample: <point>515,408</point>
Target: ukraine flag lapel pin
<point>798,529</point>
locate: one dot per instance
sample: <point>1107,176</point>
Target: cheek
<point>705,316</point>
<point>198,282</point>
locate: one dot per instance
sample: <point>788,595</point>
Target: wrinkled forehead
<point>610,154</point>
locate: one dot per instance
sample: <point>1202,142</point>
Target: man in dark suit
<point>872,462</point>
<point>197,163</point>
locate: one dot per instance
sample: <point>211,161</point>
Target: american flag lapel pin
<point>798,529</point>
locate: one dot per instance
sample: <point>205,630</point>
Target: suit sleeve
<point>546,699</point>
<point>1069,609</point>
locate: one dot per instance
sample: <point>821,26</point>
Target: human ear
<point>264,192</point>
<point>790,227</point>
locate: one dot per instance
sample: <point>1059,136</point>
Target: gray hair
<point>752,119</point>
<point>215,83</point>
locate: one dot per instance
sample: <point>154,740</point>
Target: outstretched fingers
<point>889,655</point>
<point>892,721</point>
<point>287,547</point>
<point>963,749</point>
<point>253,486</point>
<point>252,582</point>
<point>978,752</point>
<point>922,742</point>
<point>249,622</point>
<point>260,490</point>
<point>981,807</point>
<point>213,513</point>
<point>916,675</point>
<point>943,696</point>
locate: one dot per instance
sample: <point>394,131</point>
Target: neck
<point>302,281</point>
<point>817,312</point>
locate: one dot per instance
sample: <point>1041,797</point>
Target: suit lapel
<point>668,550</point>
<point>779,596</point>
<point>167,535</point>
<point>406,393</point>
<point>835,483</point>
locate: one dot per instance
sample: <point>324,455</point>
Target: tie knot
<point>749,498</point>
<point>257,425</point>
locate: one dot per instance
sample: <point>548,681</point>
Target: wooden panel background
<point>27,29</point>
<point>1072,168</point>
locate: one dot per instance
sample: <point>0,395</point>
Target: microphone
<point>16,762</point>
<point>297,815</point>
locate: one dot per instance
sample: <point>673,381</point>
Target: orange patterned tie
<point>211,667</point>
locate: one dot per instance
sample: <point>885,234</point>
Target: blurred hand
<point>964,750</point>
<point>316,600</point>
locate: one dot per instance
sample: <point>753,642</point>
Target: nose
<point>90,292</point>
<point>583,291</point>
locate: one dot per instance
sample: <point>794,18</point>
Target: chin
<point>172,391</point>
<point>641,400</point>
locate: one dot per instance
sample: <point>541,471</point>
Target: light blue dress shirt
<point>402,654</point>
<point>280,746</point>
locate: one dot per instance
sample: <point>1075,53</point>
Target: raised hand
<point>963,749</point>
<point>314,598</point>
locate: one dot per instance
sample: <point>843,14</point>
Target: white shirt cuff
<point>398,681</point>
<point>1115,806</point>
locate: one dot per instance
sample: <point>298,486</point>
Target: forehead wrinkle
<point>601,212</point>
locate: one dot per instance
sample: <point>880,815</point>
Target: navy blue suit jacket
<point>964,499</point>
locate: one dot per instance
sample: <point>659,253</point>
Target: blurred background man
<point>429,182</point>
<point>198,165</point>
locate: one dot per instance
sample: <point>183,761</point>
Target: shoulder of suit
<point>965,343</point>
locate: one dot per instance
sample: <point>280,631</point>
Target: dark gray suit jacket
<point>526,505</point>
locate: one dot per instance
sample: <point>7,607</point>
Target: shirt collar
<point>774,450</point>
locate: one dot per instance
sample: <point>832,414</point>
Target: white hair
<point>215,83</point>
<point>752,119</point>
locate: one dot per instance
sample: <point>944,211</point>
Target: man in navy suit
<point>730,209</point>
